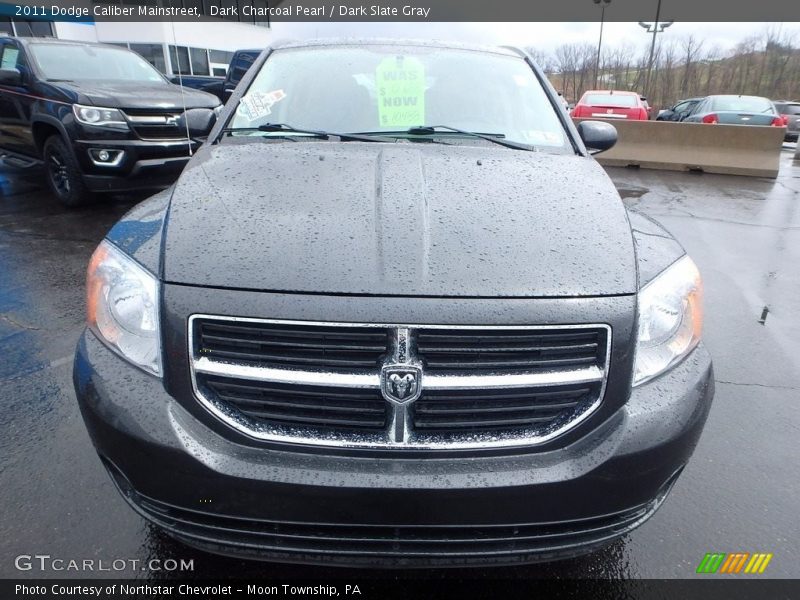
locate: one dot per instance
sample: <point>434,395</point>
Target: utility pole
<point>603,4</point>
<point>655,28</point>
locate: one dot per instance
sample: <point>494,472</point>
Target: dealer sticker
<point>256,105</point>
<point>401,92</point>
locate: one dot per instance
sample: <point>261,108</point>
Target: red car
<point>611,104</point>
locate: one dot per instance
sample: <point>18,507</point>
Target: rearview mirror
<point>597,135</point>
<point>10,77</point>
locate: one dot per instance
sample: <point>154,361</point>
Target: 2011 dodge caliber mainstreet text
<point>394,313</point>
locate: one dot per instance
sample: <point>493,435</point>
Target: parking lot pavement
<point>739,493</point>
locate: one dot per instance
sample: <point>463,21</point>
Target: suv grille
<point>420,386</point>
<point>155,124</point>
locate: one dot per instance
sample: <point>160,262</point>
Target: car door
<point>681,110</point>
<point>15,102</point>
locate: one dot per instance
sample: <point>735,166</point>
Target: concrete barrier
<point>729,149</point>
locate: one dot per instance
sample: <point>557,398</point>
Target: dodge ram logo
<point>401,383</point>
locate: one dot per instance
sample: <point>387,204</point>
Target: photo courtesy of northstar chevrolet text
<point>342,299</point>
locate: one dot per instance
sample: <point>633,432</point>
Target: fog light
<point>104,157</point>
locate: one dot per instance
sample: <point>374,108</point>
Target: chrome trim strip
<point>324,378</point>
<point>370,380</point>
<point>414,440</point>
<point>167,120</point>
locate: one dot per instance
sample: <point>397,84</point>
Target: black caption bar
<point>403,588</point>
<point>405,10</point>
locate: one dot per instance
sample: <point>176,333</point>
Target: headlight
<point>670,319</point>
<point>101,117</point>
<point>122,302</point>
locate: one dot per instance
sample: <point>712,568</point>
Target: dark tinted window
<point>5,26</point>
<point>34,28</point>
<point>199,61</point>
<point>788,109</point>
<point>152,53</point>
<point>179,56</point>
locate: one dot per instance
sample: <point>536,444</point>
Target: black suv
<point>100,117</point>
<point>394,312</point>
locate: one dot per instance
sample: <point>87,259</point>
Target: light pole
<point>603,4</point>
<point>655,28</point>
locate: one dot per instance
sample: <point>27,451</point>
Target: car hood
<point>141,95</point>
<point>398,219</point>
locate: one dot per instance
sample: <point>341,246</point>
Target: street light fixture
<point>655,28</point>
<point>603,4</point>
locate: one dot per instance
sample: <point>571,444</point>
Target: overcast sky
<point>541,35</point>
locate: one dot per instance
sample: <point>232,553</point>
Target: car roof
<point>322,42</point>
<point>54,41</point>
<point>738,96</point>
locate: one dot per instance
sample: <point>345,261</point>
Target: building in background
<point>179,48</point>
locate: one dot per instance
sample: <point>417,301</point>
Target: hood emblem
<point>171,120</point>
<point>401,384</point>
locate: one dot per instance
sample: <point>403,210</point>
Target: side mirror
<point>10,77</point>
<point>597,135</point>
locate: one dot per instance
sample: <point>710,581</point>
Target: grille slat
<point>484,351</point>
<point>301,406</point>
<point>428,410</point>
<point>481,410</point>
<point>324,348</point>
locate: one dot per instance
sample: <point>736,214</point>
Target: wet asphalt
<point>738,494</point>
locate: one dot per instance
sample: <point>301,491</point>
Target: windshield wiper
<point>288,130</point>
<point>495,138</point>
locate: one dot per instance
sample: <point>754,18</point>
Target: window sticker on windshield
<point>401,92</point>
<point>258,104</point>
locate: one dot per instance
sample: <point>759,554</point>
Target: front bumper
<point>364,508</point>
<point>145,164</point>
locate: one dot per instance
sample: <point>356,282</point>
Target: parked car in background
<point>100,118</point>
<point>611,104</point>
<point>679,111</point>
<point>735,110</point>
<point>240,63</point>
<point>647,107</point>
<point>790,111</point>
<point>319,336</point>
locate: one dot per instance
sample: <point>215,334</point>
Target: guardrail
<point>729,149</point>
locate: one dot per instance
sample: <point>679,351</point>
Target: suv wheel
<point>63,173</point>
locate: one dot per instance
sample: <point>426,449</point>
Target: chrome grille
<point>156,125</point>
<point>326,383</point>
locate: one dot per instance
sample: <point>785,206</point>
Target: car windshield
<point>620,100</point>
<point>72,62</point>
<point>742,103</point>
<point>392,89</point>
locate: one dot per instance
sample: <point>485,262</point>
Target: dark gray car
<point>791,113</point>
<point>393,312</point>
